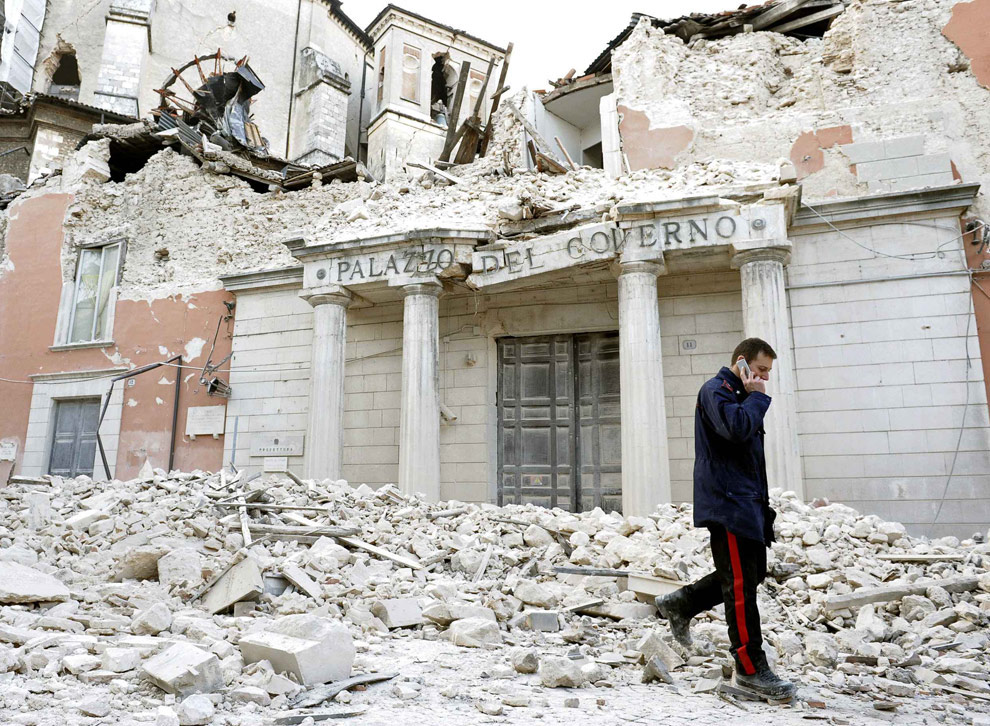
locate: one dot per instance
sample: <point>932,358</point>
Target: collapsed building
<point>531,324</point>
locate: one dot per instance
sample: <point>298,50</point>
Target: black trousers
<point>740,565</point>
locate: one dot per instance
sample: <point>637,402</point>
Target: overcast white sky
<point>550,36</point>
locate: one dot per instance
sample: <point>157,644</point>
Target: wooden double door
<point>559,442</point>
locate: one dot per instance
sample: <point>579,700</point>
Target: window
<point>93,294</point>
<point>381,77</point>
<point>411,63</point>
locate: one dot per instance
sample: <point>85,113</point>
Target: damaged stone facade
<point>453,331</point>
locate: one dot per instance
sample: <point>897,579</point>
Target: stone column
<point>325,432</point>
<point>645,461</point>
<point>766,316</point>
<point>419,423</point>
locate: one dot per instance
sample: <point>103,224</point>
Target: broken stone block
<point>82,520</point>
<point>398,612</point>
<point>195,711</point>
<point>313,649</point>
<point>544,621</point>
<point>242,582</point>
<point>152,621</point>
<point>185,669</point>
<point>39,511</point>
<point>536,536</point>
<point>305,583</point>
<point>22,584</point>
<point>165,716</point>
<point>181,567</point>
<point>916,607</point>
<point>656,670</point>
<point>474,633</point>
<point>80,663</point>
<point>653,646</point>
<point>251,694</point>
<point>95,706</point>
<point>140,563</point>
<point>523,660</point>
<point>556,672</point>
<point>821,650</point>
<point>121,660</point>
<point>533,593</point>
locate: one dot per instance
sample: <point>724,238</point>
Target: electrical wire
<point>962,425</point>
<point>911,256</point>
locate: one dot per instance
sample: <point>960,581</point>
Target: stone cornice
<point>304,252</point>
<point>62,376</point>
<point>951,198</point>
<point>284,277</point>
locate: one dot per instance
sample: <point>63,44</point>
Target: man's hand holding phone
<point>750,382</point>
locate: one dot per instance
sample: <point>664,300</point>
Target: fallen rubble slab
<point>314,650</point>
<point>22,584</point>
<point>898,591</point>
<point>184,670</point>
<point>242,582</point>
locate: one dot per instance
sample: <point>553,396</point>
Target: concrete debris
<point>313,650</point>
<point>195,711</point>
<point>242,582</point>
<point>892,612</point>
<point>185,669</point>
<point>22,584</point>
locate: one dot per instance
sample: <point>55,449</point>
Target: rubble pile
<point>197,598</point>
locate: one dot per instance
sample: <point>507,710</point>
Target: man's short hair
<point>752,347</point>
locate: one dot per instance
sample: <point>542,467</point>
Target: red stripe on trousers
<point>737,588</point>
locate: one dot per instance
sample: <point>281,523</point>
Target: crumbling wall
<point>884,70</point>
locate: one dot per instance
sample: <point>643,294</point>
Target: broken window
<point>93,294</point>
<point>65,80</point>
<point>475,83</point>
<point>411,64</point>
<point>381,77</point>
<point>439,90</point>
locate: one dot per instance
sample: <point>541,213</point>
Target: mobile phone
<point>744,367</point>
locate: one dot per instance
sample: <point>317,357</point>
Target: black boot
<point>672,607</point>
<point>764,684</point>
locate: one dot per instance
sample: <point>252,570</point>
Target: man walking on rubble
<point>732,501</point>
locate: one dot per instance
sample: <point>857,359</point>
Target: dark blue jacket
<point>730,470</point>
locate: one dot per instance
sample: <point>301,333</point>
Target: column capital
<point>628,267</point>
<point>422,287</point>
<point>746,252</point>
<point>327,295</point>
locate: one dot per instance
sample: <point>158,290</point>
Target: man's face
<point>761,366</point>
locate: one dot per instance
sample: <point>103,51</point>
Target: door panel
<point>558,404</point>
<point>73,451</point>
<point>598,398</point>
<point>534,421</point>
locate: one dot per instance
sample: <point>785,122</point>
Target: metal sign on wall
<point>277,445</point>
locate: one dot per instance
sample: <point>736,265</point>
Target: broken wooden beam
<point>319,694</point>
<point>437,172</point>
<point>318,530</point>
<point>358,544</point>
<point>922,558</point>
<point>897,591</point>
<point>541,144</point>
<point>455,112</point>
<point>500,89</point>
<point>479,573</point>
<point>807,20</point>
<point>560,145</point>
<point>776,13</point>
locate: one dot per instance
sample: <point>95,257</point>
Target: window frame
<point>70,298</point>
